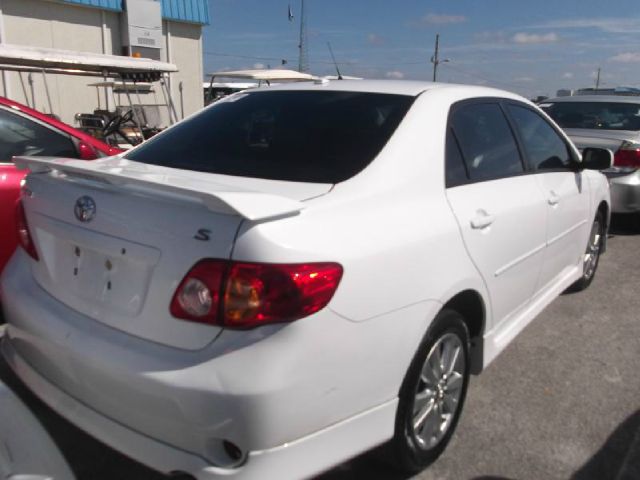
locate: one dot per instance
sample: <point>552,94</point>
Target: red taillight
<point>628,155</point>
<point>245,295</point>
<point>22,230</point>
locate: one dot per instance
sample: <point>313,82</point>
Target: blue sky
<point>530,47</point>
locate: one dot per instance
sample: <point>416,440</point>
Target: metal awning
<point>275,75</point>
<point>239,85</point>
<point>52,60</point>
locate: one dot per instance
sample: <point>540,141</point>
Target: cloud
<point>441,19</point>
<point>534,38</point>
<point>627,57</point>
<point>609,25</point>
<point>258,66</point>
<point>567,75</point>
<point>373,39</point>
<point>523,79</point>
<point>490,37</point>
<point>395,74</point>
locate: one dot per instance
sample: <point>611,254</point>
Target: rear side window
<point>544,147</point>
<point>595,115</point>
<point>487,143</point>
<point>21,136</point>
<point>302,136</point>
<point>455,169</point>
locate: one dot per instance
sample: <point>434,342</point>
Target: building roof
<point>191,11</point>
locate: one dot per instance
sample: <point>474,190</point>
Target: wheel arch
<point>470,304</point>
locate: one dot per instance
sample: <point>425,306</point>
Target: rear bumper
<point>298,459</point>
<point>625,192</point>
<point>296,399</point>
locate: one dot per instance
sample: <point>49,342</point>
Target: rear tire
<point>592,254</point>
<point>432,394</point>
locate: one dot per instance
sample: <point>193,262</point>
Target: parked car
<point>24,131</point>
<point>606,121</point>
<point>297,274</point>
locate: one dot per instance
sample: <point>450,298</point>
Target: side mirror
<point>597,158</point>
<point>86,151</point>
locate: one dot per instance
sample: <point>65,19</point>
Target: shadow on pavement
<point>624,224</point>
<point>619,457</point>
<point>490,477</point>
<point>368,466</point>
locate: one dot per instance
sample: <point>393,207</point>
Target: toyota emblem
<point>85,209</point>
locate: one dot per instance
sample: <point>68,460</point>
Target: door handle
<point>554,199</point>
<point>482,220</point>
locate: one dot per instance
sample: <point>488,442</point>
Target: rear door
<point>566,190</point>
<point>500,209</point>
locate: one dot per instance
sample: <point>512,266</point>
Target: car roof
<point>595,98</point>
<point>103,147</point>
<point>397,87</point>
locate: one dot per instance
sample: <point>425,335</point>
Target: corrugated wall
<point>192,11</point>
<point>105,4</point>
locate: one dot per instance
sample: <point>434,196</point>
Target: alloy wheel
<point>590,260</point>
<point>437,397</point>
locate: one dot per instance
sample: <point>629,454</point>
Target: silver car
<point>606,121</point>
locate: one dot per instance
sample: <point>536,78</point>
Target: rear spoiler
<point>217,197</point>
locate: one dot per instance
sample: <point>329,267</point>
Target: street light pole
<point>435,59</point>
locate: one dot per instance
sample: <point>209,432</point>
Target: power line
<point>235,55</point>
<point>273,59</point>
<point>482,77</point>
<point>360,65</point>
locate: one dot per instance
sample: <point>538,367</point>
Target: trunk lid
<point>611,139</point>
<point>150,225</point>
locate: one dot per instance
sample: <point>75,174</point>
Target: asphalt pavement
<point>561,402</point>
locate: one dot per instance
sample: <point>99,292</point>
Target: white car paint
<point>297,398</point>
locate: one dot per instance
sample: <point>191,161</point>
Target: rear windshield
<point>599,115</point>
<point>301,136</point>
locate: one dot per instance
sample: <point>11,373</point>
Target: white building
<point>167,30</point>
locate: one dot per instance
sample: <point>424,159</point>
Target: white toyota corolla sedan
<point>297,274</point>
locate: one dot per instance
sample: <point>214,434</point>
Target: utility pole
<point>435,59</point>
<point>598,79</point>
<point>303,60</point>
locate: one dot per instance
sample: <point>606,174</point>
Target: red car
<point>24,131</point>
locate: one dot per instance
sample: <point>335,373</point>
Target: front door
<point>500,209</point>
<point>565,190</point>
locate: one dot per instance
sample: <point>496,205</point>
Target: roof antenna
<point>334,61</point>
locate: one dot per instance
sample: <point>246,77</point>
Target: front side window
<point>487,143</point>
<point>544,147</point>
<point>302,136</point>
<point>21,136</point>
